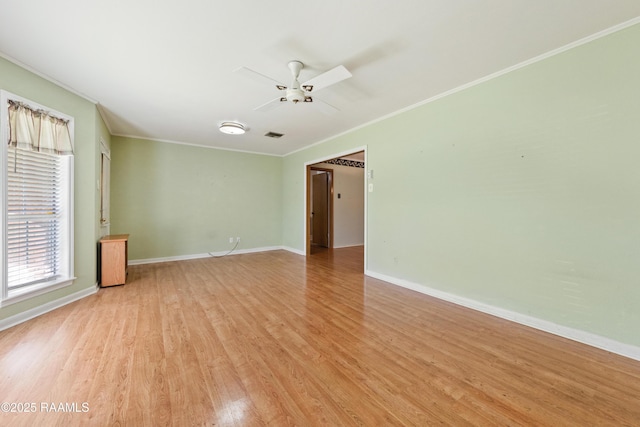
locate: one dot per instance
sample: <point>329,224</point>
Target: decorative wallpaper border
<point>346,162</point>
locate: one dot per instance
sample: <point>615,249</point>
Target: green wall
<point>522,192</point>
<point>179,200</point>
<point>88,123</point>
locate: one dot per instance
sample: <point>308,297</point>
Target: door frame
<point>307,195</point>
<point>329,172</point>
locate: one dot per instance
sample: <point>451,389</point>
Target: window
<point>37,199</point>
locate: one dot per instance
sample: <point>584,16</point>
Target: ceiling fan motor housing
<point>295,94</point>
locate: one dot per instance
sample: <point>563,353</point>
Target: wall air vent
<point>273,134</point>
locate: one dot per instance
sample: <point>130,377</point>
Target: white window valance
<point>37,130</point>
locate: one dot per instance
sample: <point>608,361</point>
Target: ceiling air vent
<point>273,134</point>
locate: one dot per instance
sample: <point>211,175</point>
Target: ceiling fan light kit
<point>232,128</point>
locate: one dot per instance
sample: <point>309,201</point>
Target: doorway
<point>320,207</point>
<point>347,195</point>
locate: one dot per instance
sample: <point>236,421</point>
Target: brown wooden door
<point>320,209</point>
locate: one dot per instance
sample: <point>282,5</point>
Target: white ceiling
<point>165,69</point>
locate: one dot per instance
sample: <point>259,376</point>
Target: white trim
<point>46,77</point>
<point>583,337</point>
<point>4,135</point>
<point>492,76</point>
<point>190,144</point>
<point>45,308</point>
<point>205,255</point>
<point>294,250</point>
<point>336,155</point>
<point>29,292</point>
<point>104,149</point>
<point>104,117</point>
<point>105,196</point>
<point>348,246</point>
<point>367,168</point>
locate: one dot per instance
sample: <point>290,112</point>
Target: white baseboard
<point>303,253</point>
<point>10,321</point>
<point>583,337</point>
<point>205,255</point>
<point>294,250</point>
<point>348,246</point>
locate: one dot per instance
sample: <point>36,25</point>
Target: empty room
<point>411,213</point>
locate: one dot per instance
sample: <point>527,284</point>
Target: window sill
<point>28,292</point>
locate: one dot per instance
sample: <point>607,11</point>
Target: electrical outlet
<point>230,239</point>
<point>237,239</point>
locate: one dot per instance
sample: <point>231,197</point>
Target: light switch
<point>370,188</point>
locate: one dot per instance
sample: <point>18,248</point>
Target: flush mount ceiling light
<point>232,128</point>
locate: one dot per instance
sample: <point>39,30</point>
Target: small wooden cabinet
<point>113,259</point>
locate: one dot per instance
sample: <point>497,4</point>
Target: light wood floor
<point>274,339</point>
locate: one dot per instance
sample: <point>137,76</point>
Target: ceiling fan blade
<point>328,78</point>
<point>274,103</point>
<point>323,107</point>
<point>248,72</point>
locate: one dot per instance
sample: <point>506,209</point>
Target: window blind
<point>33,216</point>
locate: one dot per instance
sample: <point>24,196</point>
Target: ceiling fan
<point>301,93</point>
